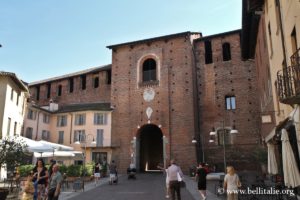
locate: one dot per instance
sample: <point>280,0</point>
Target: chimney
<point>53,106</point>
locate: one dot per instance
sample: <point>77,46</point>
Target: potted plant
<point>12,152</point>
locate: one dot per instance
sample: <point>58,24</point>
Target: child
<point>28,188</point>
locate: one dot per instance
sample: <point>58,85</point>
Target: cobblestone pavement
<point>148,186</point>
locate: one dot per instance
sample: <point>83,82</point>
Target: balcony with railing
<point>288,81</point>
<point>105,143</point>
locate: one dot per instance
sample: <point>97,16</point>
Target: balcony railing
<point>106,143</point>
<point>288,81</point>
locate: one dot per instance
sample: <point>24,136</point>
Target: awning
<point>61,154</point>
<point>34,146</point>
<point>58,147</point>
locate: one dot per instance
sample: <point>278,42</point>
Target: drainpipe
<point>71,127</point>
<point>282,34</point>
<point>37,125</point>
<point>199,137</point>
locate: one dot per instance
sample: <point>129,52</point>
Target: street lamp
<point>83,139</point>
<point>213,134</point>
<point>201,153</point>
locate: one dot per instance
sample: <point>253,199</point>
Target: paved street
<point>148,186</point>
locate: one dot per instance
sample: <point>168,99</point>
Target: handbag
<point>182,184</point>
<point>180,180</point>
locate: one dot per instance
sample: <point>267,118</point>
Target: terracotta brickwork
<point>79,95</point>
<point>189,98</point>
<point>173,105</point>
<point>221,79</point>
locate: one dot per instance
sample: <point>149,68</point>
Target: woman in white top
<point>231,184</point>
<point>167,181</point>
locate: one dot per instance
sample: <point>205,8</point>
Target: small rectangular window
<point>208,52</point>
<point>100,118</point>
<point>96,82</point>
<point>12,94</point>
<point>48,90</point>
<point>8,126</point>
<point>46,118</point>
<point>230,103</point>
<point>61,121</point>
<point>37,92</point>
<point>71,85</point>
<point>83,82</point>
<point>28,133</point>
<point>18,99</point>
<point>99,139</point>
<point>80,119</point>
<point>15,128</point>
<point>60,137</point>
<point>59,90</point>
<point>45,135</point>
<point>31,114</point>
<point>79,136</point>
<point>108,77</point>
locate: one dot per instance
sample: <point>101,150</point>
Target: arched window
<point>149,70</point>
<point>226,51</point>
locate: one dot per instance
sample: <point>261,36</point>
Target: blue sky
<point>47,38</point>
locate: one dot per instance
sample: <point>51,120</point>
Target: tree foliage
<point>12,152</point>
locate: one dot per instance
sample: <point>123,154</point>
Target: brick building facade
<point>165,92</point>
<point>227,96</point>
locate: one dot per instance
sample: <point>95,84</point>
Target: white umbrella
<point>272,163</point>
<point>60,154</point>
<point>35,146</point>
<point>55,154</point>
<point>58,147</point>
<point>290,168</point>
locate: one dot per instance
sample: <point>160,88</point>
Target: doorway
<point>150,147</point>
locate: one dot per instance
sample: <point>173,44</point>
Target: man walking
<point>55,183</point>
<point>174,172</point>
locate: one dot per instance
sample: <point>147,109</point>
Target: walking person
<point>231,183</point>
<point>113,172</point>
<point>55,182</point>
<point>201,177</point>
<point>52,162</point>
<point>40,178</point>
<point>174,172</point>
<point>97,173</point>
<point>167,180</point>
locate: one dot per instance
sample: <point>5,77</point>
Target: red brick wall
<point>215,81</point>
<point>172,106</point>
<point>89,95</point>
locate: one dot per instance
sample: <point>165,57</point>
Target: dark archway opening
<point>151,147</point>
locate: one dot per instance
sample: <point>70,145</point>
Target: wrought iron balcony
<point>288,81</point>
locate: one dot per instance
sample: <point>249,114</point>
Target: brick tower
<point>153,95</point>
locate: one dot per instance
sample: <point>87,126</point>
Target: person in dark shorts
<point>201,177</point>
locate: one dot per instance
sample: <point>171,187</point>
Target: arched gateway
<point>149,149</point>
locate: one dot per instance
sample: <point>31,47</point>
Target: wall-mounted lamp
<point>194,141</point>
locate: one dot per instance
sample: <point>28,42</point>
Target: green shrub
<point>63,169</point>
<point>24,170</point>
<point>89,169</point>
<point>74,170</point>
